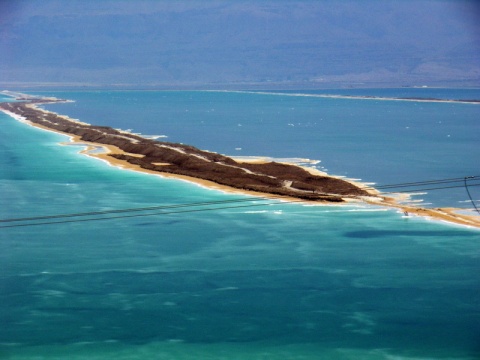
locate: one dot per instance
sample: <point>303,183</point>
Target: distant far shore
<point>364,97</point>
<point>270,179</point>
<point>269,85</point>
<point>416,99</point>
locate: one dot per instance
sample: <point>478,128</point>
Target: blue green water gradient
<point>283,281</point>
<point>385,142</point>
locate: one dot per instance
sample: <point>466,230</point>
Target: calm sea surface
<point>271,281</point>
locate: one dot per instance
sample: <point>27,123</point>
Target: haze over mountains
<point>283,43</point>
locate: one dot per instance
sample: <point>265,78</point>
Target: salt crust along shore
<point>443,214</point>
<point>362,97</point>
<point>272,177</point>
<point>374,197</point>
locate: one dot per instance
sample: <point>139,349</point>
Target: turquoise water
<point>385,142</point>
<point>278,281</point>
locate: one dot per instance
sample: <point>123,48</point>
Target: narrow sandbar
<point>252,176</point>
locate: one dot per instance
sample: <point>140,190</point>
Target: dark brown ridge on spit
<point>271,178</point>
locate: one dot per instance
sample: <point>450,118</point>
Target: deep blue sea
<point>274,281</point>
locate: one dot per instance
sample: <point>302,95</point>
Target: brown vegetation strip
<point>178,159</point>
<point>215,170</point>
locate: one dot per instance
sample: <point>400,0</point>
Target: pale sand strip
<point>109,149</point>
<point>442,214</point>
<point>357,97</point>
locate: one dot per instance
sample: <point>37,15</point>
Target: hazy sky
<point>219,42</point>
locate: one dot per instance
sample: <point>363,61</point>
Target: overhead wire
<point>427,189</point>
<point>421,183</point>
<point>468,192</point>
<point>215,205</point>
<point>139,215</point>
<point>151,208</point>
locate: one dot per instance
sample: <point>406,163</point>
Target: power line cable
<point>423,189</point>
<point>186,206</point>
<point>421,183</point>
<point>207,203</point>
<point>468,192</point>
<point>137,215</point>
<point>91,213</point>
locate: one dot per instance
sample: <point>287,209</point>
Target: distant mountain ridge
<point>228,42</point>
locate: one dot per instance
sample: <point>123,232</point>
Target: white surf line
<point>357,97</point>
<point>16,116</point>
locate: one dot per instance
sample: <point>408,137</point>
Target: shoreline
<point>362,97</point>
<point>441,214</point>
<point>124,165</point>
<point>118,157</point>
<point>274,178</point>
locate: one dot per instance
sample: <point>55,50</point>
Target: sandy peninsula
<point>260,178</point>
